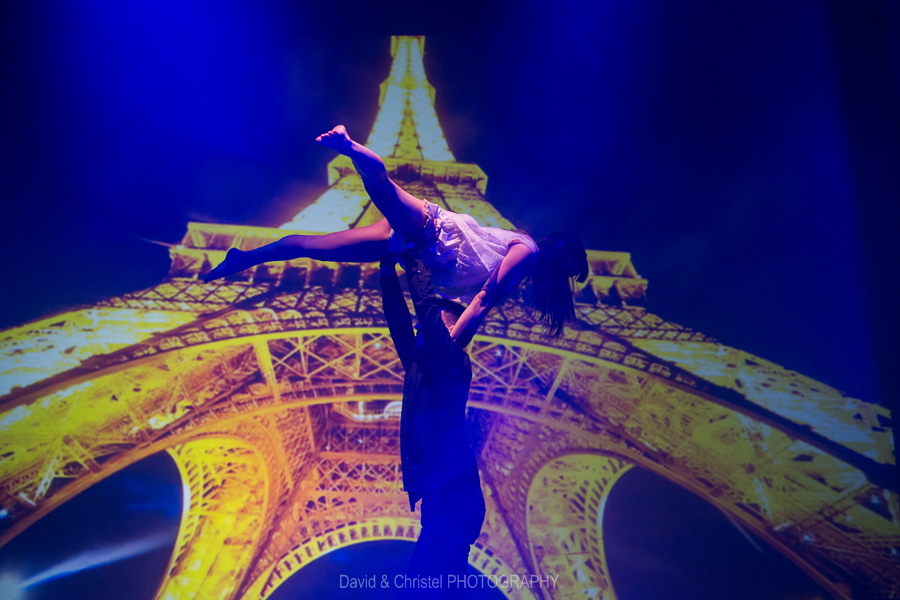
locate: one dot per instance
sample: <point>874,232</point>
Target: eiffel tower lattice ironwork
<point>276,392</point>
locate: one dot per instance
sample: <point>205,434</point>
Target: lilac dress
<point>463,254</point>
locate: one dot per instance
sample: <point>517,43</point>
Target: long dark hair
<point>562,257</point>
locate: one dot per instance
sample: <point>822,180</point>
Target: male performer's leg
<point>451,522</point>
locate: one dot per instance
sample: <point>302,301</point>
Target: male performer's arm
<point>438,343</point>
<point>395,311</point>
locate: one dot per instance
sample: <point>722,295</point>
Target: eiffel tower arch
<point>277,390</point>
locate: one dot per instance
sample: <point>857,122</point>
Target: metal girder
<point>599,404</point>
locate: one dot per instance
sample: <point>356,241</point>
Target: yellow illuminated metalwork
<point>565,512</point>
<point>276,393</point>
<point>406,125</point>
<point>47,347</point>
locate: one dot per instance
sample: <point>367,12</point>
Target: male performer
<point>438,465</point>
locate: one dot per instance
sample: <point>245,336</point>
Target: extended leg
<point>363,244</point>
<point>403,210</point>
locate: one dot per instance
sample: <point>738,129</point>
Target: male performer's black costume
<point>438,465</point>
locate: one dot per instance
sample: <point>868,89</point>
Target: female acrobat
<point>469,263</point>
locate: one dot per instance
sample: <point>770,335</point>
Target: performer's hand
<point>424,237</point>
<point>408,256</point>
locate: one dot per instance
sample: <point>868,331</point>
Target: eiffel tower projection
<point>277,393</point>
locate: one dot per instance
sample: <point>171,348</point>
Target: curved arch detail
<point>778,485</point>
<point>223,517</point>
<point>564,523</point>
<point>371,530</point>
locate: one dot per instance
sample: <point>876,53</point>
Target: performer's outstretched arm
<point>515,265</point>
<point>395,311</point>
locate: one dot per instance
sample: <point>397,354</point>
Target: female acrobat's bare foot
<point>337,139</point>
<point>234,262</point>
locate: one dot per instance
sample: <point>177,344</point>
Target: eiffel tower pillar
<point>277,393</point>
